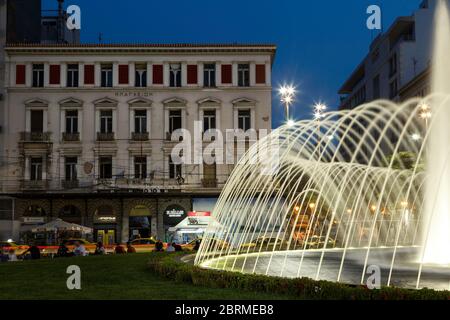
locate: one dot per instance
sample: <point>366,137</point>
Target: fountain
<point>356,191</point>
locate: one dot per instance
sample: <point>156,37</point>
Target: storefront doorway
<point>105,225</point>
<point>140,222</point>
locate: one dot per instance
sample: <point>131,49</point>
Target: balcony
<point>140,136</point>
<point>70,184</point>
<point>105,136</point>
<point>209,183</point>
<point>71,137</point>
<point>35,136</point>
<point>34,185</point>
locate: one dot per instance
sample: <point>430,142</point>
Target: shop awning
<point>60,225</point>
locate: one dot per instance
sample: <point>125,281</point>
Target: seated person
<point>130,248</point>
<point>119,249</point>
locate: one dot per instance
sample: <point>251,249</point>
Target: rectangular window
<point>36,169</point>
<point>393,65</point>
<point>20,74</point>
<point>105,168</point>
<point>227,74</point>
<point>89,74</point>
<point>175,75</point>
<point>140,121</point>
<point>71,168</point>
<point>244,122</point>
<point>209,120</point>
<point>158,74</point>
<point>55,74</point>
<point>175,122</point>
<point>376,87</point>
<point>192,74</point>
<point>140,167</point>
<point>260,73</point>
<point>123,74</point>
<point>38,75</point>
<point>72,75</point>
<point>393,89</point>
<point>243,75</point>
<point>106,75</point>
<point>72,121</point>
<point>140,76</point>
<point>37,121</point>
<point>106,121</point>
<point>174,169</point>
<point>209,75</point>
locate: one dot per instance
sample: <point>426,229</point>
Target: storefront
<point>193,226</point>
<point>141,223</point>
<point>105,225</point>
<point>173,215</point>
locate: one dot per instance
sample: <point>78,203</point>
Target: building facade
<point>398,63</point>
<point>89,130</point>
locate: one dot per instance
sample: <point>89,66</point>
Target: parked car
<point>144,244</point>
<point>216,244</point>
<point>264,244</point>
<point>318,242</point>
<point>5,246</point>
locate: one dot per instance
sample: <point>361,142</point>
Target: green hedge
<point>169,266</point>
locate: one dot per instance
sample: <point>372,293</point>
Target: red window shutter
<point>227,74</point>
<point>192,74</point>
<point>158,74</point>
<point>89,74</point>
<point>55,74</point>
<point>20,74</point>
<point>260,73</point>
<point>123,74</point>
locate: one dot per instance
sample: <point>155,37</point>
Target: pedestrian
<point>170,247</point>
<point>63,251</point>
<point>34,251</point>
<point>12,255</point>
<point>99,249</point>
<point>197,245</point>
<point>159,246</point>
<point>80,250</point>
<point>119,249</point>
<point>130,248</point>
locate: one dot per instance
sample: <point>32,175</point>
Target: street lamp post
<point>425,114</point>
<point>319,109</point>
<point>287,94</point>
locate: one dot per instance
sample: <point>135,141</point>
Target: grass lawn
<point>103,277</point>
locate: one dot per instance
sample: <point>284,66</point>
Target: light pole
<point>319,109</point>
<point>425,114</point>
<point>287,94</point>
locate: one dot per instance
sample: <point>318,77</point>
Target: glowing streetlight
<point>416,137</point>
<point>312,205</point>
<point>319,109</point>
<point>425,113</point>
<point>290,123</point>
<point>287,94</point>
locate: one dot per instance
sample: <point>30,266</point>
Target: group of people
<point>79,250</point>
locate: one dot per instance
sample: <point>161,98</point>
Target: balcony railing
<point>70,184</point>
<point>71,137</point>
<point>209,183</point>
<point>35,136</point>
<point>140,136</point>
<point>105,136</point>
<point>31,185</point>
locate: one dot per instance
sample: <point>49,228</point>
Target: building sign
<point>199,214</point>
<point>105,219</point>
<point>33,220</point>
<point>133,93</point>
<point>173,215</point>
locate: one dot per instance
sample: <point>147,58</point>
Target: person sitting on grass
<point>130,248</point>
<point>170,247</point>
<point>99,249</point>
<point>119,249</point>
<point>63,251</point>
<point>159,246</point>
<point>80,250</point>
<point>12,255</point>
<point>34,251</point>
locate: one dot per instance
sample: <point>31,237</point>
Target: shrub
<point>169,266</point>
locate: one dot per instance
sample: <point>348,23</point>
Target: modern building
<point>88,130</point>
<point>398,63</point>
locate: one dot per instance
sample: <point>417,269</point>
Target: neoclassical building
<point>88,131</point>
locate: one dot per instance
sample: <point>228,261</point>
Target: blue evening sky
<point>319,42</point>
